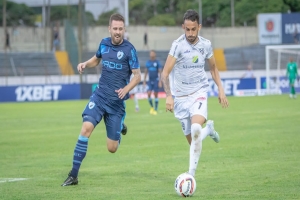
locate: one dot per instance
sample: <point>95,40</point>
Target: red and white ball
<point>185,185</point>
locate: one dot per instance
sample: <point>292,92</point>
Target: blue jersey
<point>117,63</point>
<point>153,66</point>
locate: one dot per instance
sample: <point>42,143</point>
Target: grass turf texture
<point>257,157</point>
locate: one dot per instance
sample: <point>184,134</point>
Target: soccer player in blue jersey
<point>154,68</point>
<point>119,61</point>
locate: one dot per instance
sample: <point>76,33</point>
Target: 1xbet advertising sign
<point>39,93</point>
<point>283,85</point>
<point>290,28</point>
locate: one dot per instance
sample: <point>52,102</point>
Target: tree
<point>17,14</point>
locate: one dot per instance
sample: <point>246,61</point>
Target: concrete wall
<point>25,39</point>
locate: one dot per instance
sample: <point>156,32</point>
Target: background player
<point>292,74</point>
<point>153,67</point>
<point>119,60</point>
<point>184,77</point>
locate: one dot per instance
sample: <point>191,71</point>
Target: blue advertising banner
<point>233,86</point>
<point>39,93</point>
<point>284,85</point>
<point>290,28</point>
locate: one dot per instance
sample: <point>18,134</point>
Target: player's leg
<point>292,88</point>
<point>136,102</point>
<point>92,115</point>
<point>155,89</point>
<point>198,111</point>
<point>149,91</point>
<point>114,125</point>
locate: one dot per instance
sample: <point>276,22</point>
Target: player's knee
<point>196,130</point>
<point>112,148</point>
<point>86,129</point>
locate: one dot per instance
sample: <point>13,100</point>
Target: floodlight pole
<point>4,16</point>
<point>80,35</point>
<point>232,14</point>
<point>200,11</point>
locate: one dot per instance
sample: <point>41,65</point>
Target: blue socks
<point>79,154</point>
<point>156,103</point>
<point>150,102</point>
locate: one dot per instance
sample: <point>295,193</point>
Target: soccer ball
<point>185,185</point>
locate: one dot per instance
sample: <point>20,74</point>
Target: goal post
<point>277,57</point>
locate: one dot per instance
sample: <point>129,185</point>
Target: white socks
<point>196,147</point>
<point>204,133</point>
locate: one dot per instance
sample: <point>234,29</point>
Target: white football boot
<point>213,134</point>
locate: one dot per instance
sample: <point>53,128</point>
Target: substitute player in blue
<point>154,68</point>
<point>119,61</point>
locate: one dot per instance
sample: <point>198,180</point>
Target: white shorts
<point>187,106</point>
<point>134,90</point>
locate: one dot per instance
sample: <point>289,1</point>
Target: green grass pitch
<point>258,156</point>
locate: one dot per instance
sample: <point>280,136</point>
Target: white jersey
<point>188,74</point>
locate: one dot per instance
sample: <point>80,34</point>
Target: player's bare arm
<point>145,76</point>
<point>166,82</point>
<point>134,81</point>
<point>216,77</point>
<point>159,78</point>
<point>92,62</point>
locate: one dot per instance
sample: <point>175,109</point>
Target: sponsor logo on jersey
<point>195,59</point>
<point>91,105</point>
<point>155,64</point>
<point>201,50</point>
<point>201,99</point>
<point>187,51</point>
<point>120,55</point>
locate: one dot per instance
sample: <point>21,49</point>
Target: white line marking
<point>4,180</point>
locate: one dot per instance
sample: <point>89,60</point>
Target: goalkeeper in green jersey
<point>292,74</point>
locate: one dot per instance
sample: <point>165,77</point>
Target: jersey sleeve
<point>147,64</point>
<point>99,51</point>
<point>209,51</point>
<point>133,59</point>
<point>174,51</point>
<point>159,65</point>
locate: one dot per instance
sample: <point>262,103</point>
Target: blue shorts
<point>153,86</point>
<point>113,113</point>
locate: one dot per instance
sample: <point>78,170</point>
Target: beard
<point>191,39</point>
<point>117,41</point>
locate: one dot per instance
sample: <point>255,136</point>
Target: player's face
<point>152,55</point>
<point>191,30</point>
<point>116,30</point>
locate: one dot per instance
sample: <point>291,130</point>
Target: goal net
<point>277,57</point>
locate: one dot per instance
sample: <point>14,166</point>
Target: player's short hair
<point>191,15</point>
<point>116,17</point>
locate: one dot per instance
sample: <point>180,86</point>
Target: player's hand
<point>80,67</point>
<point>223,99</point>
<point>121,92</point>
<point>169,104</point>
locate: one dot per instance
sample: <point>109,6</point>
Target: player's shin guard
<point>79,154</point>
<point>195,148</point>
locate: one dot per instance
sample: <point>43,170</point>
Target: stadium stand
<point>24,64</point>
<point>239,57</point>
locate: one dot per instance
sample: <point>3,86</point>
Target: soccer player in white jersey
<point>186,84</point>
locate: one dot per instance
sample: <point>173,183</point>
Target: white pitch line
<point>4,180</point>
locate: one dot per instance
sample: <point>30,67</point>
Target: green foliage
<point>103,19</point>
<point>17,14</point>
<point>162,20</point>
